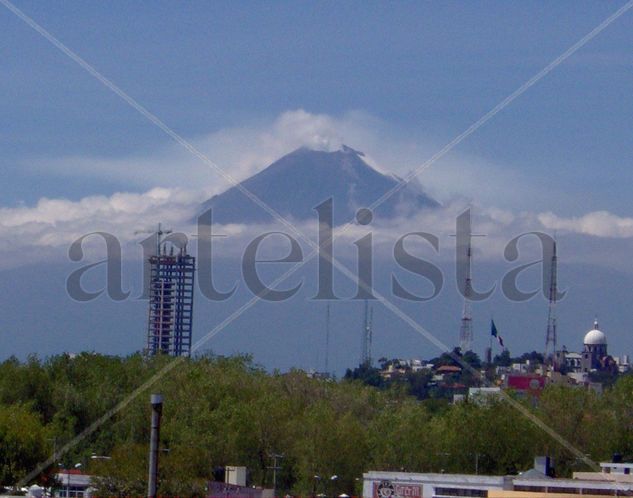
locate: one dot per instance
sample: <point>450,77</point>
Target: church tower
<point>595,348</point>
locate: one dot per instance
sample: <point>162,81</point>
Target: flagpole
<point>492,319</point>
<point>490,341</point>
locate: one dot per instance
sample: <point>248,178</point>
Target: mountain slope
<point>301,180</point>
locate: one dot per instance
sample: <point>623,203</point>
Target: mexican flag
<point>494,333</point>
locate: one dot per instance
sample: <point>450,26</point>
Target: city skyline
<point>389,82</point>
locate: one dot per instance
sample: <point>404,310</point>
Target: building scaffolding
<point>171,287</point>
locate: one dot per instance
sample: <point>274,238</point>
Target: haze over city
<point>247,84</point>
<point>316,249</point>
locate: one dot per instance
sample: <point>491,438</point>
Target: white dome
<point>595,337</point>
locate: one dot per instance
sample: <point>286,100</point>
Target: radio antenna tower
<point>367,335</point>
<point>550,336</point>
<point>466,328</point>
<point>327,339</point>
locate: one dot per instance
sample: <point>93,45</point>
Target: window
<point>71,492</point>
<point>608,492</point>
<point>568,491</point>
<point>479,493</point>
<point>533,489</point>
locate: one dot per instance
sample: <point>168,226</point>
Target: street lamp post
<point>275,468</point>
<point>333,481</point>
<point>156,401</point>
<point>77,466</point>
<point>317,478</point>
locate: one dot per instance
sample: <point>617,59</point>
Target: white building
<point>410,485</point>
<point>73,484</point>
<point>593,357</point>
<point>615,479</point>
<point>484,394</point>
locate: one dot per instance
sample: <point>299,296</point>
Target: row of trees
<point>227,411</point>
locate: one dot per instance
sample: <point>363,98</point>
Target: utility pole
<point>275,468</point>
<point>156,401</point>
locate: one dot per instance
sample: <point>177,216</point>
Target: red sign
<point>529,383</point>
<point>388,489</point>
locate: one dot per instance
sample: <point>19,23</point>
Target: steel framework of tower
<point>466,327</point>
<point>170,302</point>
<point>367,336</point>
<point>550,335</point>
<point>327,339</point>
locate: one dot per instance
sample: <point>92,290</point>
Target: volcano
<point>298,182</point>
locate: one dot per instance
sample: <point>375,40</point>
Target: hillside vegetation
<point>228,411</point>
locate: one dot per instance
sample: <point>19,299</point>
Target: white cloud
<point>173,183</point>
<point>244,150</point>
<point>597,224</point>
<point>239,151</point>
<point>46,230</point>
<point>34,233</point>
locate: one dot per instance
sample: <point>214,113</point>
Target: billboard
<point>532,384</point>
<point>390,489</point>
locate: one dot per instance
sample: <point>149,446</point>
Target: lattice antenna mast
<point>370,334</point>
<point>367,335</point>
<point>327,339</point>
<point>550,336</point>
<point>466,328</point>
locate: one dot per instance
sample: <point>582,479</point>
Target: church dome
<point>595,337</point>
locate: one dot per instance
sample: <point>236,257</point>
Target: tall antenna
<point>327,339</point>
<point>550,336</point>
<point>370,334</point>
<point>367,335</point>
<point>159,236</point>
<point>466,328</point>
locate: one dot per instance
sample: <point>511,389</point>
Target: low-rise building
<point>483,394</point>
<point>73,484</point>
<point>615,479</point>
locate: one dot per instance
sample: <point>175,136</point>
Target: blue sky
<point>427,70</point>
<point>249,81</point>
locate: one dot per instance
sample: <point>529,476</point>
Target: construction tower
<point>170,300</point>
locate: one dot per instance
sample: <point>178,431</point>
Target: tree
<point>366,374</point>
<point>502,360</point>
<point>471,358</point>
<point>23,442</point>
<point>448,359</point>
